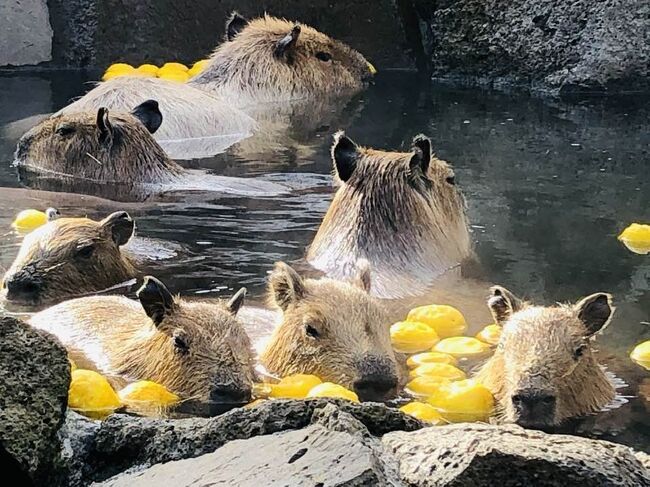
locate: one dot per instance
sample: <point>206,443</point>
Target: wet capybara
<point>334,330</point>
<point>70,257</point>
<point>196,350</point>
<point>544,370</point>
<point>98,146</point>
<point>399,210</point>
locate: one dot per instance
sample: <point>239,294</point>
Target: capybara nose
<point>376,387</point>
<point>230,394</point>
<point>535,409</point>
<point>23,146</point>
<point>21,287</point>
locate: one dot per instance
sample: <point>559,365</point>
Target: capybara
<point>544,370</point>
<point>399,210</point>
<point>69,257</point>
<point>334,330</point>
<point>100,146</point>
<point>197,350</point>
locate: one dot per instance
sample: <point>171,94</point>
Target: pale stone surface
<point>25,32</point>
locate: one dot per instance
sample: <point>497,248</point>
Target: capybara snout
<point>377,379</point>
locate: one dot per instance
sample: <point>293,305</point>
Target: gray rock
<point>315,455</point>
<point>34,379</point>
<point>549,45</point>
<point>25,32</point>
<point>485,455</point>
<point>123,442</point>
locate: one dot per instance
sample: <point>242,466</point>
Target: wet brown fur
<point>50,256</point>
<point>114,336</point>
<point>538,352</point>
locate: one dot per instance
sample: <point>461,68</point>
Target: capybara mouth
<point>542,424</point>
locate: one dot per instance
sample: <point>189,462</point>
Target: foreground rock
<point>484,455</point>
<point>550,45</point>
<point>123,442</point>
<point>34,379</point>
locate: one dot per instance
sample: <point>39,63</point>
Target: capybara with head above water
<point>544,370</point>
<point>100,146</point>
<point>399,210</point>
<point>196,350</point>
<point>334,330</point>
<point>271,59</point>
<point>69,257</point>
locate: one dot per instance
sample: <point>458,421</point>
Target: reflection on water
<point>549,186</point>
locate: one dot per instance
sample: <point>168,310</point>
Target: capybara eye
<point>311,331</point>
<point>180,344</point>
<point>324,56</point>
<point>64,130</point>
<point>85,251</point>
<point>451,180</point>
<point>579,352</point>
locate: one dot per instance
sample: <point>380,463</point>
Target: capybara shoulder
<point>402,211</point>
<point>544,370</point>
<point>69,257</point>
<point>198,350</point>
<point>334,330</point>
<point>99,146</point>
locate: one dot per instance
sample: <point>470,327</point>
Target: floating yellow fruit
<point>371,68</point>
<point>198,67</point>
<point>425,385</point>
<point>462,347</point>
<point>178,66</point>
<point>412,336</point>
<point>430,357</point>
<point>177,76</point>
<point>447,321</point>
<point>91,394</point>
<point>329,389</point>
<point>150,69</point>
<point>490,334</point>
<point>636,237</point>
<point>118,74</point>
<point>464,400</point>
<point>145,391</point>
<point>28,220</point>
<point>294,386</point>
<point>436,369</point>
<point>641,354</point>
<point>261,390</point>
<point>423,412</point>
<point>119,67</point>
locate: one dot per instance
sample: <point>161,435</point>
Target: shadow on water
<point>549,185</point>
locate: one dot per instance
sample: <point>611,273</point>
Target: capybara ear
<point>236,301</point>
<point>104,125</point>
<point>362,279</point>
<point>234,25</point>
<point>120,225</point>
<point>285,285</point>
<point>155,298</point>
<point>149,114</point>
<point>52,214</point>
<point>345,154</point>
<point>421,154</point>
<point>287,43</point>
<point>595,312</point>
<point>503,304</point>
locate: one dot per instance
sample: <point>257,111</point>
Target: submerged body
<point>196,350</point>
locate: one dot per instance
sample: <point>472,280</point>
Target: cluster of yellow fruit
<point>641,354</point>
<point>91,394</point>
<point>444,392</point>
<point>172,71</point>
<point>303,386</point>
<point>636,238</point>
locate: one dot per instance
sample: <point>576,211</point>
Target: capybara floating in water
<point>70,257</point>
<point>544,370</point>
<point>399,210</point>
<point>196,350</point>
<point>334,330</point>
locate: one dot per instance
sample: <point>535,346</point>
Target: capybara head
<point>201,350</point>
<point>272,59</point>
<point>544,371</point>
<point>334,330</point>
<point>402,211</point>
<point>99,146</point>
<point>69,257</point>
